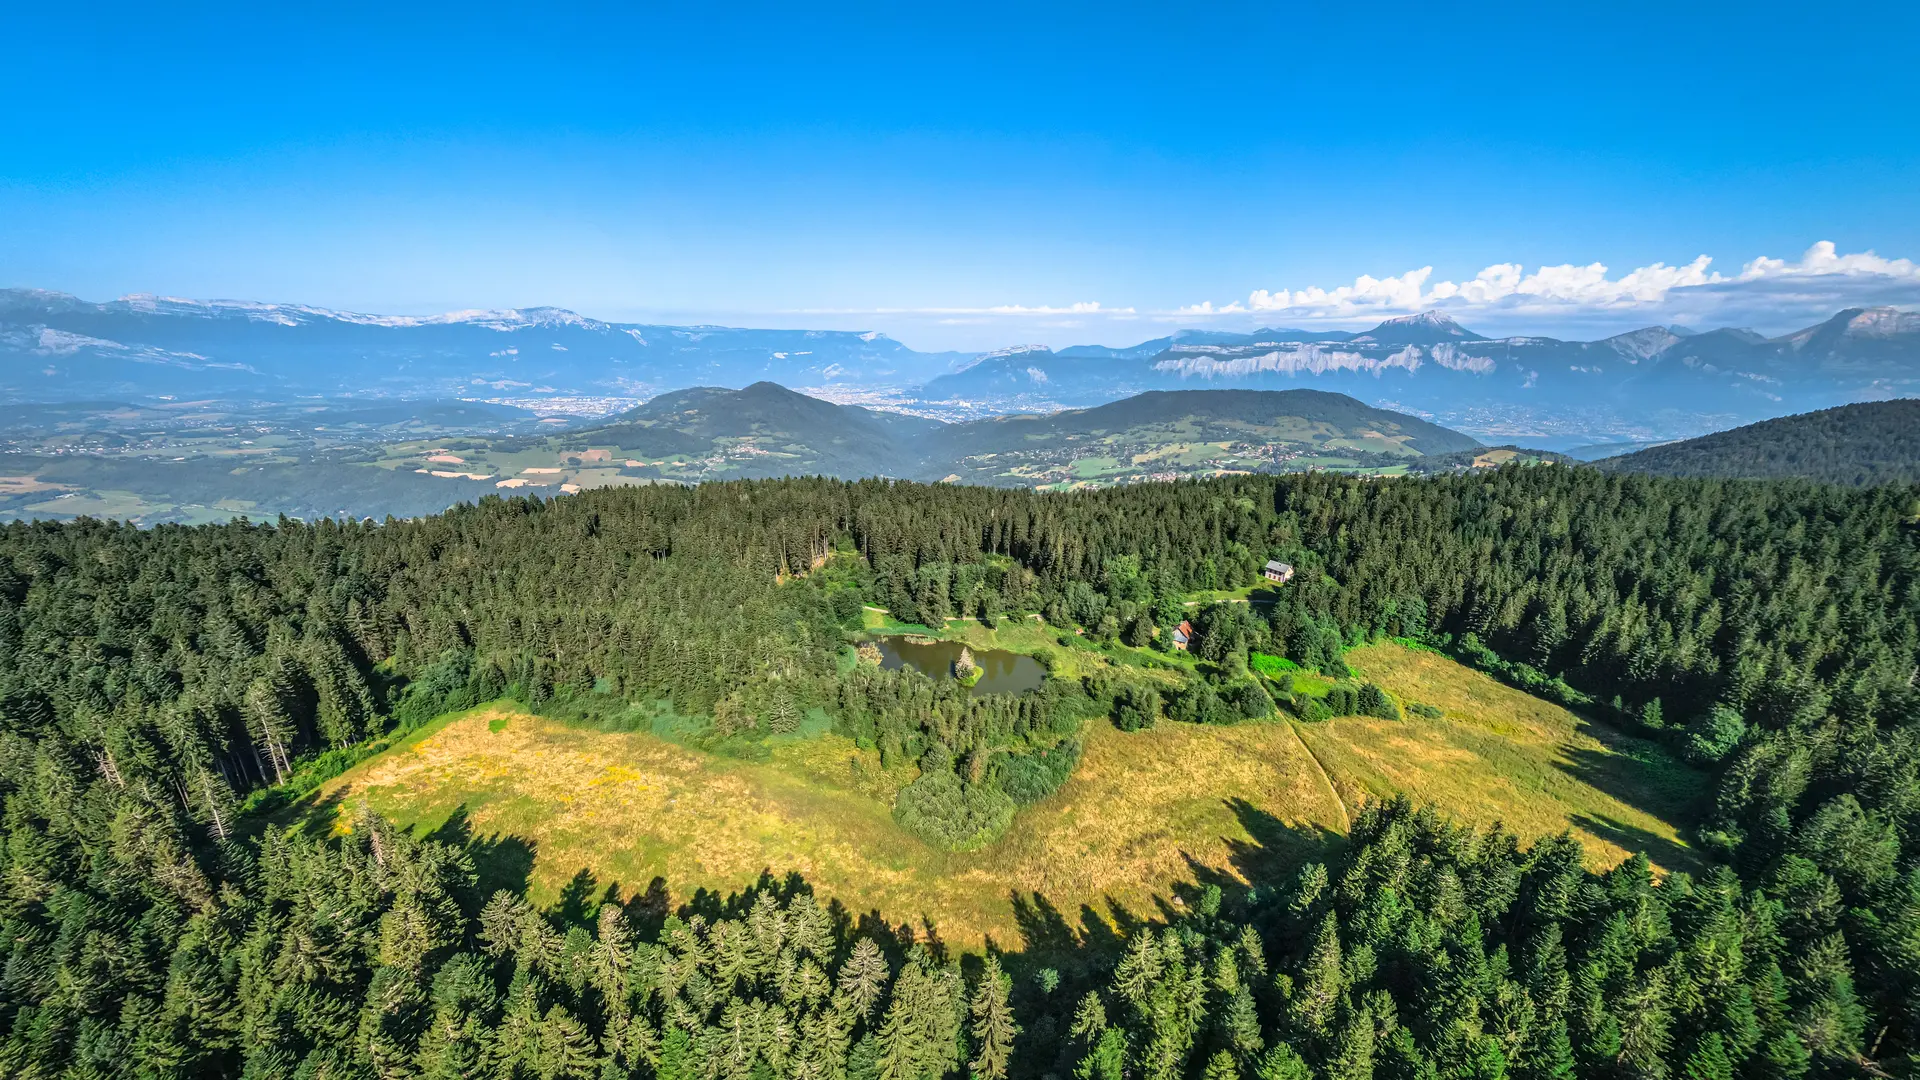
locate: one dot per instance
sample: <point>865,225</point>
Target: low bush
<point>1373,701</point>
<point>1136,708</point>
<point>1311,709</point>
<point>1029,776</point>
<point>949,813</point>
<point>1343,700</point>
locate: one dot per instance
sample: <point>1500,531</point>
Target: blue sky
<point>964,176</point>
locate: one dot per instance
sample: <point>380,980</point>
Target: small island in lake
<point>965,670</point>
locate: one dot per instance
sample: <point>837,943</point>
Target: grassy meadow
<point>1143,814</point>
<point>1500,754</point>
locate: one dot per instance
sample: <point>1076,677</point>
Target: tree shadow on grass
<point>1646,776</point>
<point>1059,953</point>
<point>1664,852</point>
<point>500,861</point>
<point>311,817</point>
<point>578,900</point>
<point>1275,850</point>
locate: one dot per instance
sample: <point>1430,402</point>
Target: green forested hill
<point>1170,433</point>
<point>709,433</point>
<point>1874,442</point>
<point>161,689</point>
<point>766,430</point>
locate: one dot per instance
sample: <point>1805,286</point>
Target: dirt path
<point>1326,778</point>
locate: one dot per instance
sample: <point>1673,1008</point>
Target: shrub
<point>846,607</point>
<point>1650,715</point>
<point>1343,700</point>
<point>947,813</point>
<point>1250,700</point>
<point>1190,701</point>
<point>1310,708</point>
<point>1136,708</point>
<point>1373,701</point>
<point>1029,777</point>
<point>1429,712</point>
<point>1199,703</point>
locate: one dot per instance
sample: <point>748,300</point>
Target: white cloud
<point>1573,300</point>
<point>1820,281</point>
<point>1822,259</point>
<point>1367,293</point>
<point>1206,307</point>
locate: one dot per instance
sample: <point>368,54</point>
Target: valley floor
<point>1143,814</point>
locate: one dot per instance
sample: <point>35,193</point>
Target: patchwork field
<point>1144,811</point>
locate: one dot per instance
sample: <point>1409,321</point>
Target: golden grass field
<point>1502,754</point>
<point>1143,812</point>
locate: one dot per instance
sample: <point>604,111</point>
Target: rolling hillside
<point>691,436</point>
<point>1167,434</point>
<point>1875,442</point>
<point>766,430</point>
<point>762,430</point>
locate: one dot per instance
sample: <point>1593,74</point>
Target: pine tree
<point>1221,1066</point>
<point>1709,1060</point>
<point>1484,1061</point>
<point>1241,1025</point>
<point>863,977</point>
<point>993,1024</point>
<point>1318,993</point>
<point>1282,1063</point>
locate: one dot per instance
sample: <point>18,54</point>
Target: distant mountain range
<point>57,347</point>
<point>1647,384</point>
<point>1439,366</point>
<point>1874,442</point>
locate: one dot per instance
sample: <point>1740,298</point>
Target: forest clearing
<point>1145,812</point>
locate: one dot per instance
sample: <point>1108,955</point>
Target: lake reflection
<point>1004,672</point>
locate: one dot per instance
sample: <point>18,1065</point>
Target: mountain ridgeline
<point>1875,442</point>
<point>57,347</point>
<point>1642,376</point>
<point>796,433</point>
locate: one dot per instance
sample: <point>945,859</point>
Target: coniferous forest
<point>163,690</point>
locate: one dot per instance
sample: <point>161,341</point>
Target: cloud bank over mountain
<point>1764,291</point>
<point>1773,295</point>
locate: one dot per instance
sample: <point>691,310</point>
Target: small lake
<point>1003,672</point>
